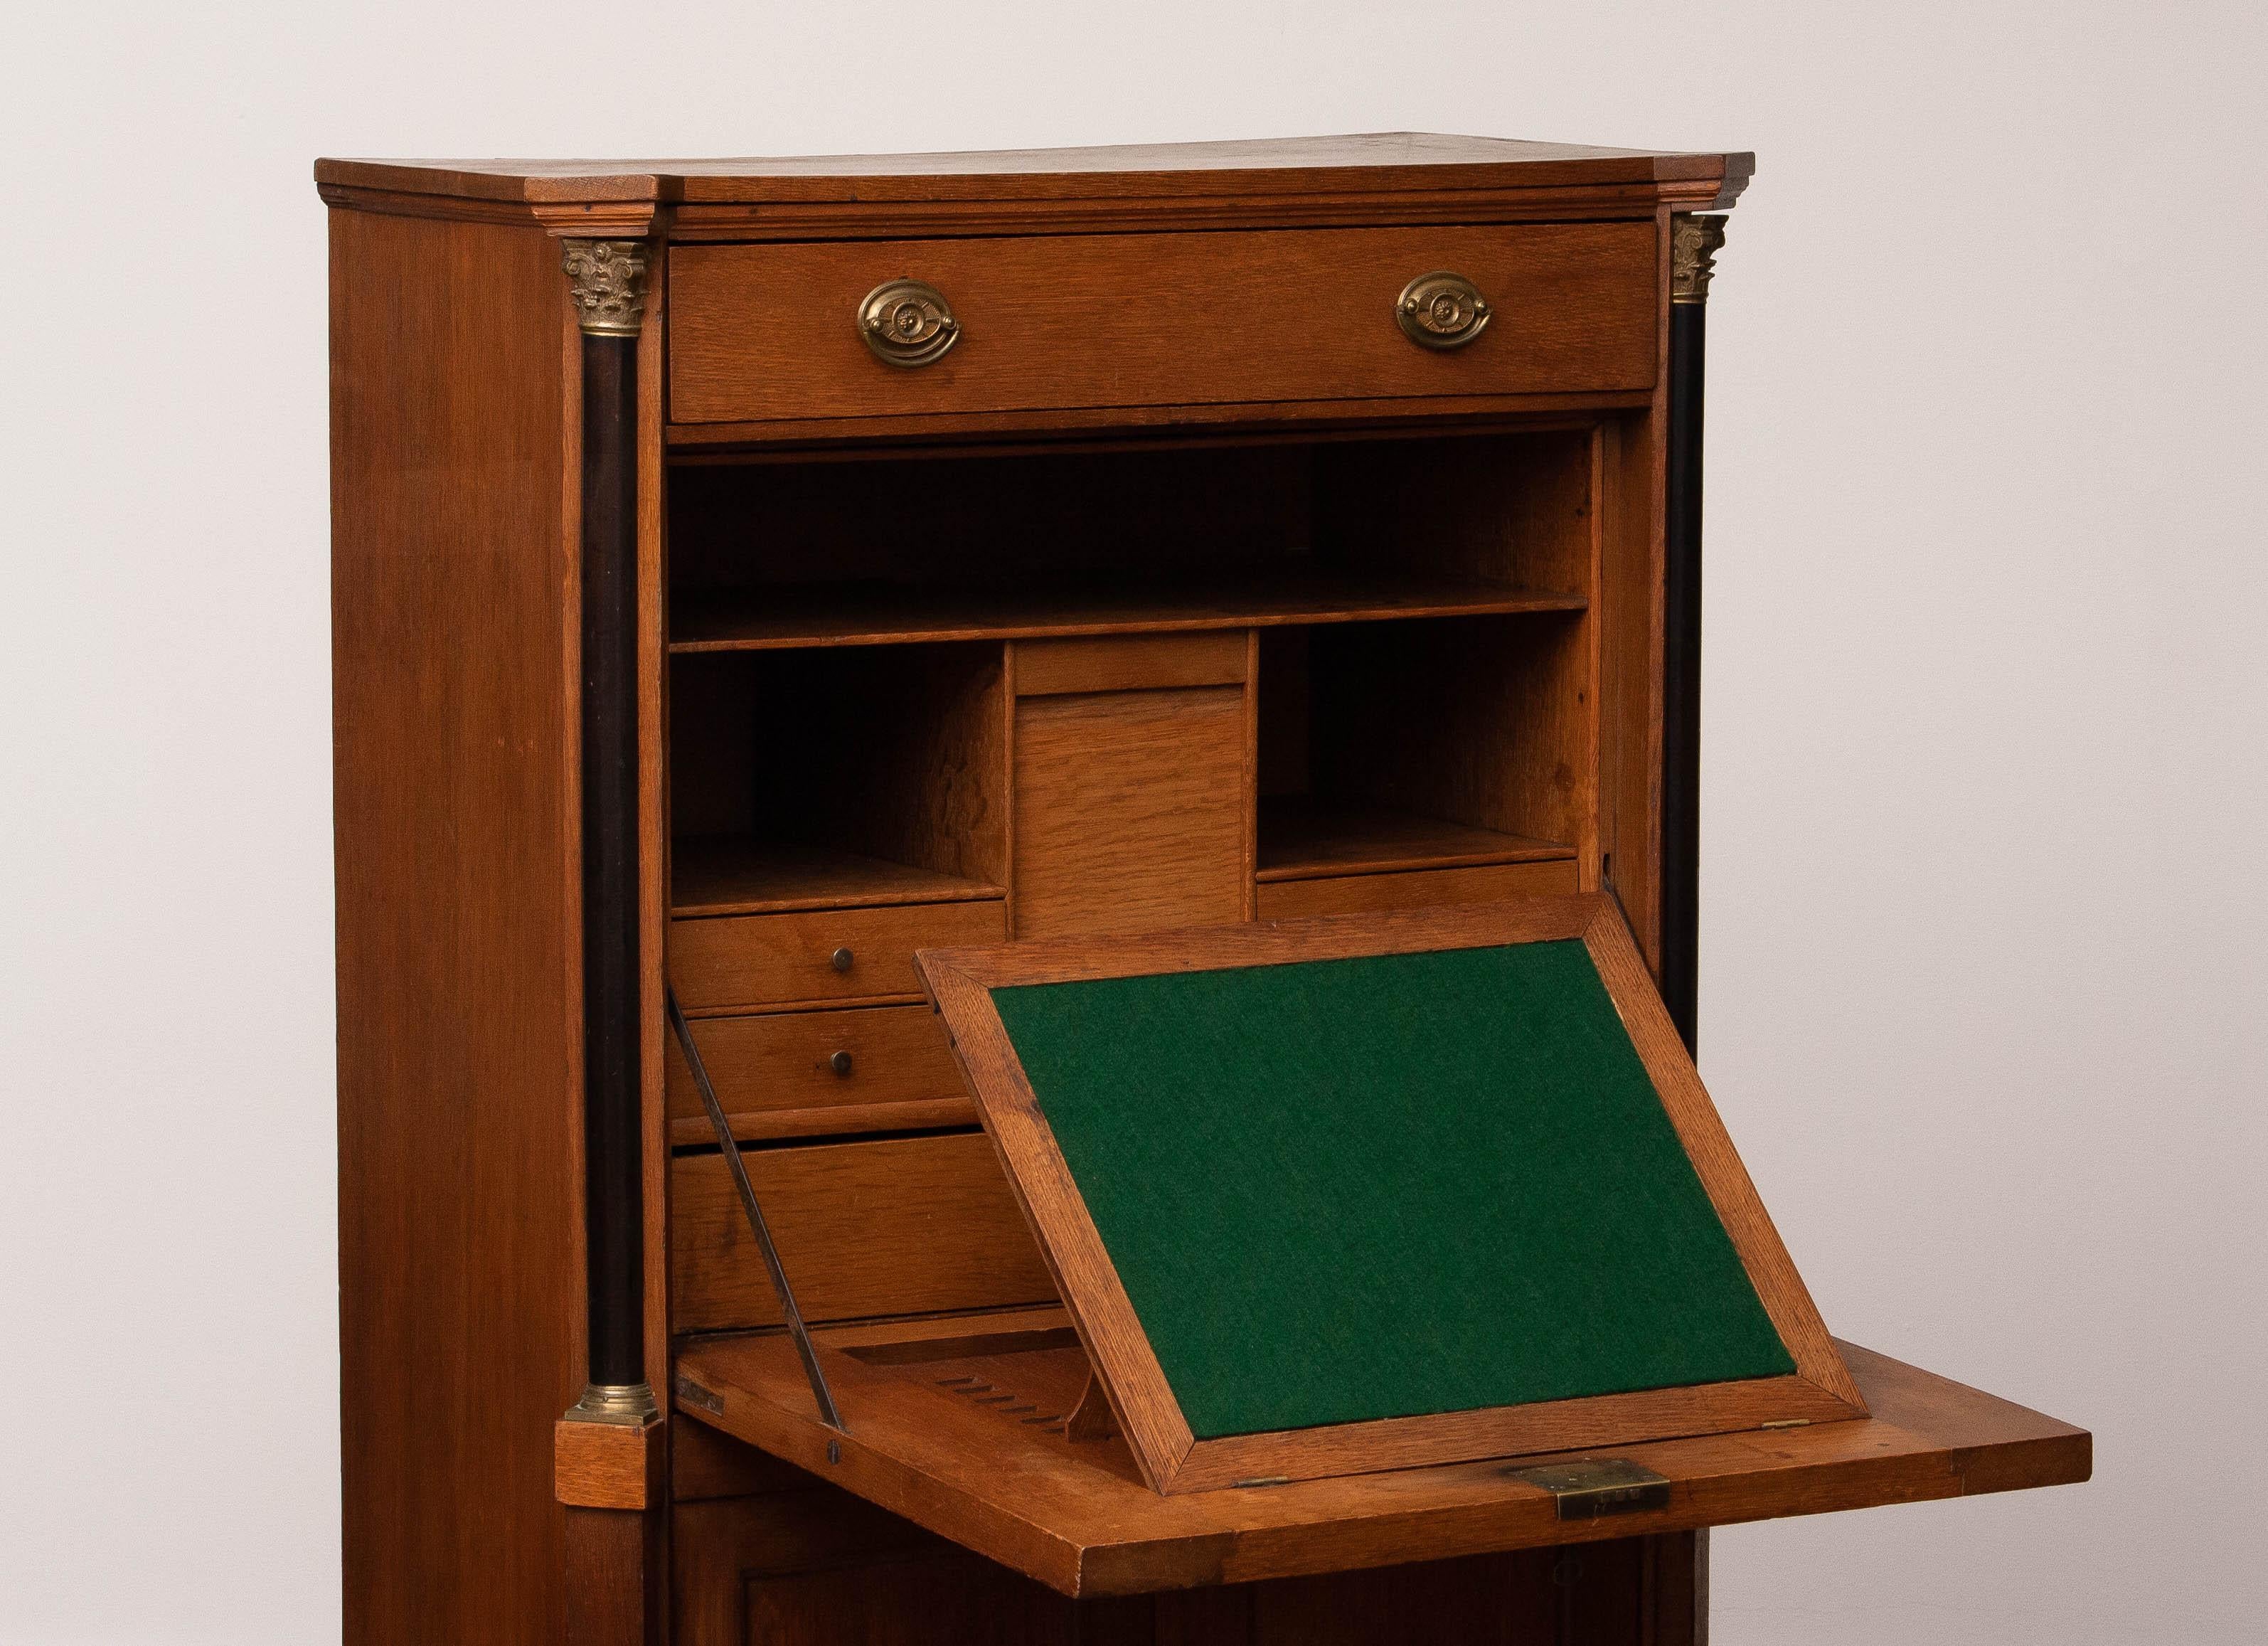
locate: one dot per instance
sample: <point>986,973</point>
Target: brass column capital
<point>1694,243</point>
<point>607,280</point>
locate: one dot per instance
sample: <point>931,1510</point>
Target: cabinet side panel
<point>1628,607</point>
<point>459,1264</point>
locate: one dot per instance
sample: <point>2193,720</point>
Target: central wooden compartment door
<point>1132,803</point>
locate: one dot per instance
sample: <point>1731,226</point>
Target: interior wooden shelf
<point>896,615</point>
<point>958,1426</point>
<point>1304,838</point>
<point>738,874</point>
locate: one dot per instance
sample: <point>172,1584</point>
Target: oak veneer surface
<point>459,1261</point>
<point>1301,837</point>
<point>1131,810</point>
<point>741,875</point>
<point>781,959</point>
<point>897,1226</point>
<point>1419,888</point>
<point>1396,160</point>
<point>886,614</point>
<point>764,332</point>
<point>1077,1517</point>
<point>777,1074</point>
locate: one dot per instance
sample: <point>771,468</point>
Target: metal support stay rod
<point>740,1171</point>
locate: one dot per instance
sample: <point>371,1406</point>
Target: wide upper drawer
<point>772,332</point>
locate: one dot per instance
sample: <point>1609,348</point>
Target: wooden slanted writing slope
<point>1342,1195</point>
<point>1387,1238</point>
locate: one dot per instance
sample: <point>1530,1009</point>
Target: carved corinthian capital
<point>1694,243</point>
<point>606,279</point>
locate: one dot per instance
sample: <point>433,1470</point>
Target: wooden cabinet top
<point>1466,171</point>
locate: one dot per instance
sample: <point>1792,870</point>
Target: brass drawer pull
<point>840,959</point>
<point>906,322</point>
<point>1441,310</point>
<point>841,1064</point>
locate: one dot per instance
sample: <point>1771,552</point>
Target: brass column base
<point>629,1406</point>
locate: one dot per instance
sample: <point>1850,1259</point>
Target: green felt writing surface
<point>1383,1187</point>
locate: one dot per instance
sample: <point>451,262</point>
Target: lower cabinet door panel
<point>817,1568</point>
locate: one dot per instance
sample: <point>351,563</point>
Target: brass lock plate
<point>1597,1488</point>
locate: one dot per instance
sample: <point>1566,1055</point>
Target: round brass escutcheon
<point>1441,310</point>
<point>840,960</point>
<point>907,323</point>
<point>840,1063</point>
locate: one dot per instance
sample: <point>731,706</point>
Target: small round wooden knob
<point>907,323</point>
<point>840,1063</point>
<point>1441,310</point>
<point>840,959</point>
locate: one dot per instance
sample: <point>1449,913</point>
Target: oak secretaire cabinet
<point>750,574</point>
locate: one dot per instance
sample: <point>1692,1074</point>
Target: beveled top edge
<point>1378,160</point>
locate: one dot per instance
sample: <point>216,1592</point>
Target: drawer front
<point>895,1226</point>
<point>777,959</point>
<point>762,333</point>
<point>803,1074</point>
<point>1419,889</point>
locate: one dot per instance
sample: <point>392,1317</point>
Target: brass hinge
<point>691,1393</point>
<point>1598,1486</point>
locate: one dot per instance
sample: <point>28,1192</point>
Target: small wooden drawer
<point>806,1073</point>
<point>1132,662</point>
<point>889,1226</point>
<point>819,955</point>
<point>1419,888</point>
<point>770,332</point>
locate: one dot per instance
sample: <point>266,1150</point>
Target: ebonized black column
<point>1694,242</point>
<point>606,279</point>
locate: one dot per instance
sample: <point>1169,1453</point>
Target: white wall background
<point>1987,735</point>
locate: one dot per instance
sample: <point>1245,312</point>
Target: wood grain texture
<point>1145,663</point>
<point>1070,1518</point>
<point>654,906</point>
<point>1509,511</point>
<point>774,1558</point>
<point>893,754</point>
<point>743,874</point>
<point>777,1074</point>
<point>615,1592</point>
<point>1710,1148</point>
<point>609,1465</point>
<point>1172,1461</point>
<point>719,1546</point>
<point>895,1226</point>
<point>706,1462</point>
<point>1131,810</point>
<point>1426,889</point>
<point>782,959</point>
<point>769,333</point>
<point>456,1013</point>
<point>1482,721</point>
<point>1393,415</point>
<point>1403,161</point>
<point>1629,615</point>
<point>1302,838</point>
<point>865,614</point>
